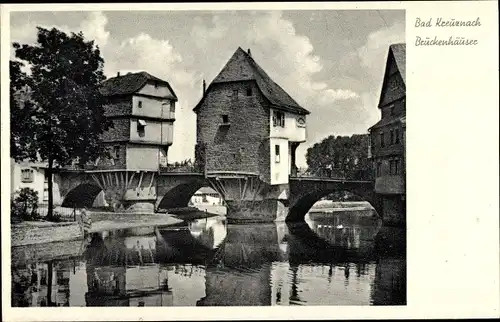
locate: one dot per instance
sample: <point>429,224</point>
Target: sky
<point>330,61</point>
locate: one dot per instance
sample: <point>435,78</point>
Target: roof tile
<point>242,67</point>
<point>129,84</point>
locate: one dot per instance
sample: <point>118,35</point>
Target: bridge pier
<point>249,199</point>
<point>262,211</point>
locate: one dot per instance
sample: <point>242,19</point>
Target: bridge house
<point>388,138</point>
<point>248,123</point>
<point>142,109</point>
<point>248,129</point>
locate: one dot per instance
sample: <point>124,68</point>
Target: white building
<point>32,175</point>
<point>206,196</point>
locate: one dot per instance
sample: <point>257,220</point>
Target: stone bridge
<point>149,191</point>
<point>305,191</point>
<point>130,190</point>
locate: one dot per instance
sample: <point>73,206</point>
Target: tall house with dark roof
<point>388,137</point>
<point>246,123</point>
<point>142,110</point>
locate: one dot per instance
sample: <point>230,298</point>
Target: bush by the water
<point>25,205</point>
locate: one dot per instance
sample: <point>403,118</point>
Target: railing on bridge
<point>321,174</point>
<point>333,174</point>
<point>180,168</point>
<point>172,168</point>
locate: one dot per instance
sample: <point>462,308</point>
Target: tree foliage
<point>340,156</point>
<point>56,109</point>
<point>25,205</point>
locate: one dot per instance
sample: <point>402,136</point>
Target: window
<point>235,93</point>
<point>116,151</point>
<point>139,104</point>
<point>379,169</point>
<point>391,108</point>
<point>27,175</point>
<point>392,137</point>
<point>382,141</point>
<point>278,119</point>
<point>225,119</point>
<point>249,91</point>
<point>397,136</point>
<point>141,127</point>
<point>394,166</point>
<point>277,153</point>
<point>172,107</point>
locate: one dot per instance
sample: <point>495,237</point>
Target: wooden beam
<point>244,188</point>
<point>131,178</point>
<point>140,179</point>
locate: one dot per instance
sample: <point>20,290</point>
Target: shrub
<point>25,204</point>
<point>57,217</point>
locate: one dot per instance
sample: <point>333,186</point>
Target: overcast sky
<point>330,62</point>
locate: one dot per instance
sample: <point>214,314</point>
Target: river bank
<point>341,205</point>
<point>42,232</point>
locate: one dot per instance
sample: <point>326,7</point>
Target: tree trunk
<point>50,281</point>
<point>50,210</point>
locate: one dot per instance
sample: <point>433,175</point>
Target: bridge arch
<point>176,191</point>
<point>83,195</point>
<point>305,193</point>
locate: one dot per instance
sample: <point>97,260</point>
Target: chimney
<point>204,87</point>
<point>118,74</point>
<point>249,52</point>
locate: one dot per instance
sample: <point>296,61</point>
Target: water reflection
<point>329,260</point>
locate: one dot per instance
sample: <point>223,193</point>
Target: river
<point>331,259</point>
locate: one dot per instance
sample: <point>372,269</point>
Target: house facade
<point>388,137</point>
<point>142,110</point>
<point>33,175</point>
<point>246,123</point>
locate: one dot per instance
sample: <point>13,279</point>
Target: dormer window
<point>249,91</point>
<point>172,107</point>
<point>139,104</point>
<point>225,119</point>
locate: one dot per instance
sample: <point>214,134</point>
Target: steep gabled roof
<point>130,83</point>
<point>399,53</point>
<point>242,67</point>
<point>396,56</point>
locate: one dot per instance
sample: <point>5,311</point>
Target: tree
<point>340,156</point>
<point>58,114</point>
<point>25,205</point>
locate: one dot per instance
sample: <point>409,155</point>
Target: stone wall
<point>39,233</point>
<point>257,211</point>
<point>240,144</point>
<point>117,106</point>
<point>119,132</point>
